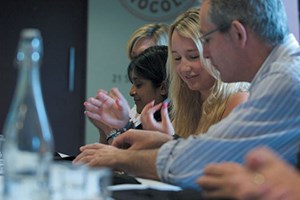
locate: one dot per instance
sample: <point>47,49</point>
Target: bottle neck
<point>29,80</point>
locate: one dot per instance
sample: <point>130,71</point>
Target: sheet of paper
<point>145,184</point>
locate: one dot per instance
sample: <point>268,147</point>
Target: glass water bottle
<point>28,147</point>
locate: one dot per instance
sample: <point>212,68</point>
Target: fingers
<point>92,146</point>
<point>104,99</point>
<point>102,91</point>
<point>215,169</point>
<point>122,105</point>
<point>82,159</point>
<point>88,152</point>
<point>116,94</point>
<point>211,177</point>
<point>92,115</point>
<point>147,116</point>
<point>215,175</point>
<point>94,106</point>
<point>122,102</point>
<point>131,139</point>
<point>155,108</point>
<point>164,110</point>
<point>166,119</point>
<point>147,107</point>
<point>122,140</point>
<point>222,180</point>
<point>208,182</point>
<point>92,111</point>
<point>92,103</point>
<point>84,156</point>
<point>149,110</point>
<point>260,158</point>
<point>214,186</point>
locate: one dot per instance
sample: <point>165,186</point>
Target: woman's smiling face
<point>143,92</point>
<point>188,65</point>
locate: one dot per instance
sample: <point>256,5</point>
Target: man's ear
<point>239,33</point>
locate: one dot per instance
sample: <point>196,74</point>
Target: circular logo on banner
<point>156,10</point>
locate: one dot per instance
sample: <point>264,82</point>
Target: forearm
<point>103,131</point>
<point>102,138</point>
<point>141,163</point>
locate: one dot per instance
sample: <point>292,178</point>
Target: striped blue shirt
<point>270,117</point>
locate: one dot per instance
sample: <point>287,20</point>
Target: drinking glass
<point>2,140</point>
<point>79,182</point>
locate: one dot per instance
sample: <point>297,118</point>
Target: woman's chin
<point>193,87</point>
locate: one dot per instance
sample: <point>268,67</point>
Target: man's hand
<point>98,155</point>
<point>141,139</point>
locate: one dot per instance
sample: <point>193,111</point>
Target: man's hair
<point>266,18</point>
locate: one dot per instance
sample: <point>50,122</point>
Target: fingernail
<point>166,102</point>
<point>165,105</point>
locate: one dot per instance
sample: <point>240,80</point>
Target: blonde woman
<point>199,98</point>
<point>147,36</point>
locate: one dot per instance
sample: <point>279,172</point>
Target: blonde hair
<point>156,31</point>
<point>189,113</point>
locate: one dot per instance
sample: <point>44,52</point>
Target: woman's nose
<point>132,91</point>
<point>185,66</point>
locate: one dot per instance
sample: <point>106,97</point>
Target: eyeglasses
<point>204,40</point>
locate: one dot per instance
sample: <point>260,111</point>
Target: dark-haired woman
<point>147,73</point>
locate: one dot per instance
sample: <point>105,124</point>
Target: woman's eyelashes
<point>137,84</point>
<point>189,57</point>
<point>177,58</point>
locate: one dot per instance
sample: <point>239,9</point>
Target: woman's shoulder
<point>235,100</point>
<point>238,97</point>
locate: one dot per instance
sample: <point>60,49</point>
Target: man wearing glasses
<point>246,40</point>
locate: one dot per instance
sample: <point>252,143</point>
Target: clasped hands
<point>108,109</point>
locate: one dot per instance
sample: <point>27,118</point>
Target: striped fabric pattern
<point>271,117</point>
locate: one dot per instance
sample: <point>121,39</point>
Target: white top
<point>134,116</point>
